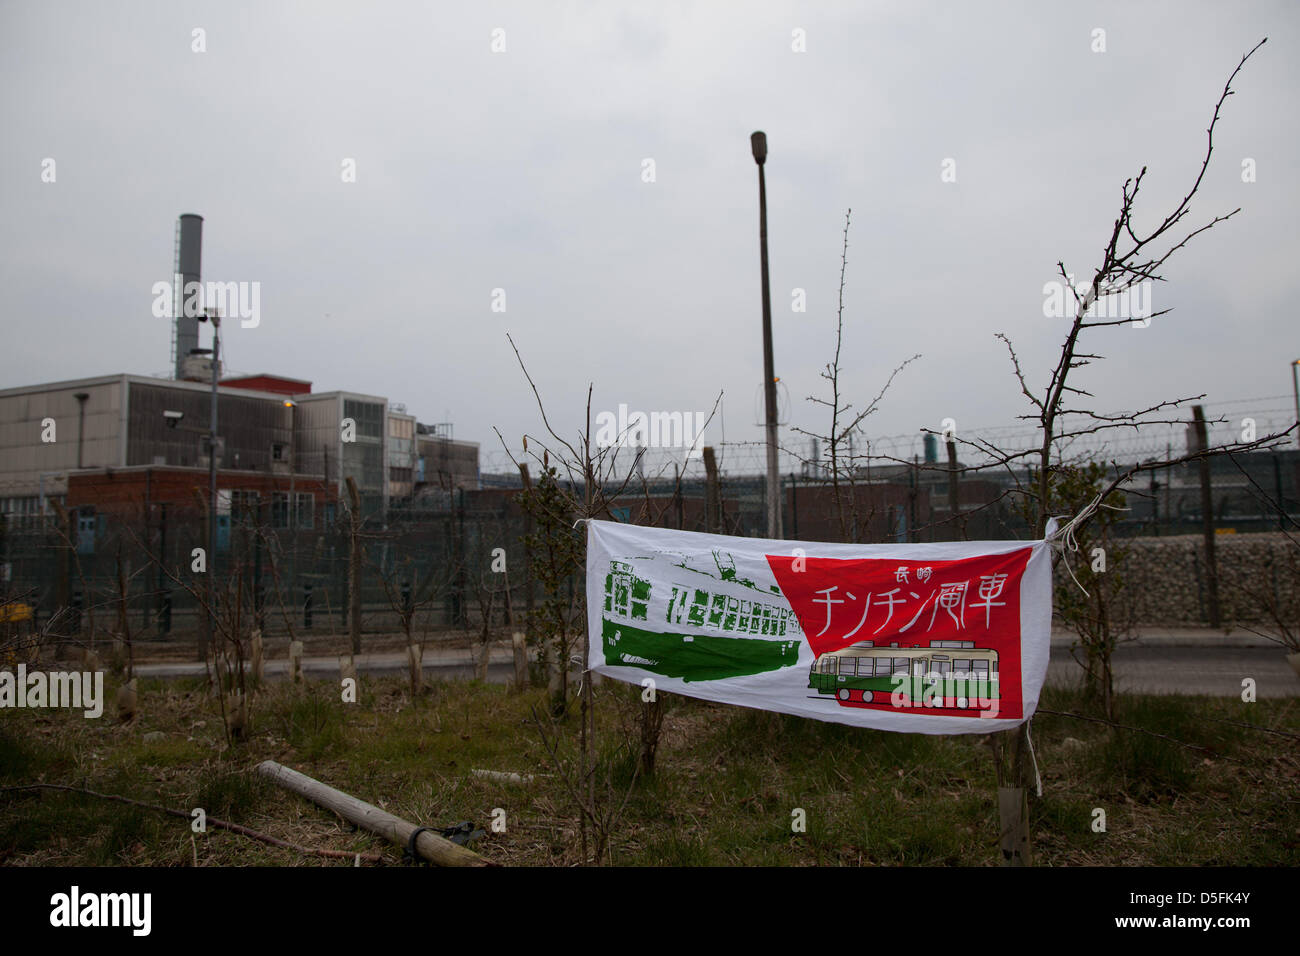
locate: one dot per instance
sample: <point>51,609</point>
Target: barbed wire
<point>1132,443</point>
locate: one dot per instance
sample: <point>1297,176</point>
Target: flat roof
<point>231,390</point>
<point>337,393</point>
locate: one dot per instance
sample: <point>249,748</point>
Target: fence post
<point>259,592</point>
<point>528,558</point>
<point>354,566</point>
<point>1207,519</point>
<point>712,497</point>
<point>164,586</point>
<point>63,601</point>
<point>954,498</point>
<point>677,496</point>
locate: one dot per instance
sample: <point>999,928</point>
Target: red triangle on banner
<point>893,602</point>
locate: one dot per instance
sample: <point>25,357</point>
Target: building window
<point>243,506</point>
<point>279,510</point>
<point>305,516</point>
<point>368,416</point>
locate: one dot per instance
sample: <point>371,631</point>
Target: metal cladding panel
<point>248,425</point>
<point>24,455</point>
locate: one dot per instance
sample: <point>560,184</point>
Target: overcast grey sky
<point>523,170</point>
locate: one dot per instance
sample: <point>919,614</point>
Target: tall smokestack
<point>189,259</point>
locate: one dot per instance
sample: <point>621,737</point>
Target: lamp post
<point>1295,384</point>
<point>293,462</point>
<point>215,319</point>
<point>758,145</point>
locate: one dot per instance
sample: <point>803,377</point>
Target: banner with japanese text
<point>937,638</point>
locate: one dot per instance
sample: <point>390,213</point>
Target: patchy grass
<point>730,782</point>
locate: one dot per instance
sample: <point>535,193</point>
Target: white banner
<point>945,638</point>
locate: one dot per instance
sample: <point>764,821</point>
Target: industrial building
<point>85,442</point>
<point>53,434</point>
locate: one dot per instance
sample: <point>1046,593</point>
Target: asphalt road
<point>1216,671</point>
<point>1142,668</point>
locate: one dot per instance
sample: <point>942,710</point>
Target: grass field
<point>727,783</point>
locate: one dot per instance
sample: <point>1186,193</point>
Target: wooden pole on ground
<point>430,846</point>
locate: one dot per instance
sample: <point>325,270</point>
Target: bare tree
<point>840,465</point>
<point>1131,255</point>
<point>593,486</point>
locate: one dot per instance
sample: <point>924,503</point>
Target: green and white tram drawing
<point>953,674</point>
<point>699,624</point>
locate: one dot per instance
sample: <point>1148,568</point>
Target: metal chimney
<point>189,258</point>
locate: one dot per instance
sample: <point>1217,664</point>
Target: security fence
<point>453,561</point>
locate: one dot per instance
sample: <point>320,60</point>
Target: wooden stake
<point>521,661</point>
<point>126,700</point>
<point>415,663</point>
<point>236,715</point>
<point>429,845</point>
<point>1013,811</point>
<point>295,661</point>
<point>258,665</point>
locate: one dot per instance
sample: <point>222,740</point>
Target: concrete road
<point>438,664</point>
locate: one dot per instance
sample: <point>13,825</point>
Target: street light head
<point>758,145</point>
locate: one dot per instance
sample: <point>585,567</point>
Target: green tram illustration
<point>696,625</point>
<point>953,674</point>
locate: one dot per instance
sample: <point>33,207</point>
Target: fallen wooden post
<point>429,845</point>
